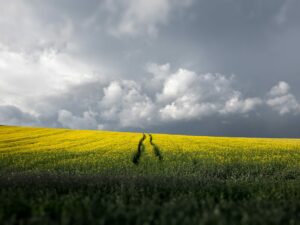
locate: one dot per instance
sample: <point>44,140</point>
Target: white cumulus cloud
<point>23,77</point>
<point>282,101</point>
<point>125,103</point>
<point>86,121</point>
<point>165,96</point>
<point>187,95</point>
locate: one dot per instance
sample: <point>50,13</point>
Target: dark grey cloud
<point>233,65</point>
<point>10,115</point>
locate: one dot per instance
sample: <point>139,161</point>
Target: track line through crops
<point>156,149</point>
<point>140,149</point>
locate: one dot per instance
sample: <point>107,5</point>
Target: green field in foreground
<point>61,176</point>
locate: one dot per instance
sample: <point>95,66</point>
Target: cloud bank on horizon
<point>196,67</point>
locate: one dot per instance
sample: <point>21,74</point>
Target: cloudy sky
<point>205,67</point>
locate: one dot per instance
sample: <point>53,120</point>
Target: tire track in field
<point>156,149</point>
<point>140,149</point>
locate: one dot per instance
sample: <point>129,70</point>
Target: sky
<point>199,67</point>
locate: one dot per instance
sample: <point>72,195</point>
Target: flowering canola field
<point>62,176</point>
<point>86,152</point>
<point>83,151</point>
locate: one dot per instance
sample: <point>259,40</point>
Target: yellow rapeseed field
<point>62,150</point>
<point>62,176</point>
<point>82,151</point>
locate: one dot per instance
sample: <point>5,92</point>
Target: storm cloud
<point>196,67</point>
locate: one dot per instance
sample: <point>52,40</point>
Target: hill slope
<point>76,151</point>
<point>98,177</point>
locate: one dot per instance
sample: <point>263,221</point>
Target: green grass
<point>60,176</point>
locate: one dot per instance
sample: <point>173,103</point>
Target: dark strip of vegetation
<point>93,199</point>
<point>140,149</point>
<point>155,148</point>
